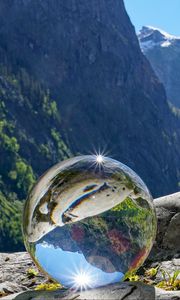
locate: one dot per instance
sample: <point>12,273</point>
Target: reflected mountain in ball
<point>89,221</point>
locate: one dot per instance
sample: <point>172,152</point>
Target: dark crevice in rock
<point>133,288</point>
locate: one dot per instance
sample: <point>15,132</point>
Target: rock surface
<point>167,243</point>
<point>129,291</point>
<point>122,291</point>
<point>16,276</point>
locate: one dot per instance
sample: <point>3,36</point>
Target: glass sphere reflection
<point>89,221</point>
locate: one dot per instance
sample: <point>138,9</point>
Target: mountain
<point>30,142</point>
<point>73,79</point>
<point>163,52</point>
<point>29,123</point>
<point>88,56</point>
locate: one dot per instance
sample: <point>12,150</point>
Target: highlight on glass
<point>89,221</point>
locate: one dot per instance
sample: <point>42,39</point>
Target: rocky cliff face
<point>30,142</point>
<point>87,54</point>
<point>163,52</point>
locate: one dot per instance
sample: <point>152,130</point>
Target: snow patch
<point>166,35</point>
<point>166,44</point>
<point>150,37</point>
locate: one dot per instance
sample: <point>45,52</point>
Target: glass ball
<point>89,221</point>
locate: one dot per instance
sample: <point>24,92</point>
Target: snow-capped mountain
<point>163,52</point>
<point>151,37</point>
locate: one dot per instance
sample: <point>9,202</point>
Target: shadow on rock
<point>122,291</point>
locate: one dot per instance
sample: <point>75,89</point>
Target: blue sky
<point>164,14</point>
<point>65,266</point>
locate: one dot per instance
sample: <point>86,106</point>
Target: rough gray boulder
<point>18,283</point>
<point>167,245</point>
<point>128,291</point>
<point>122,291</point>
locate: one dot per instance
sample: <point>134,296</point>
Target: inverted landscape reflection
<point>89,222</point>
<point>72,263</point>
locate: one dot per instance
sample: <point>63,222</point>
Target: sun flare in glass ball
<point>89,221</point>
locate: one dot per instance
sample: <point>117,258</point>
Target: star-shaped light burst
<point>99,158</point>
<point>82,280</point>
<point>98,161</point>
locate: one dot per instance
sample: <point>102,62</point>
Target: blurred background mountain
<point>73,80</point>
<point>163,52</point>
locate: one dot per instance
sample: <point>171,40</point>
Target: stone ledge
<point>167,244</point>
<point>122,291</point>
<point>165,253</point>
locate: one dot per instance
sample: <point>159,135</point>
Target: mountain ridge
<point>74,80</point>
<point>87,55</point>
<point>163,50</point>
<point>157,37</point>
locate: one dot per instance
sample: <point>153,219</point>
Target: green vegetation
<point>48,286</point>
<point>50,107</point>
<point>136,217</point>
<point>30,142</point>
<point>45,150</point>
<point>9,143</point>
<point>31,273</point>
<point>133,277</point>
<point>152,272</point>
<point>169,282</point>
<point>14,169</point>
<point>61,146</point>
<point>24,175</point>
<point>10,224</point>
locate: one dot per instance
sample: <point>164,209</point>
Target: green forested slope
<point>88,56</point>
<point>10,224</point>
<point>30,142</point>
